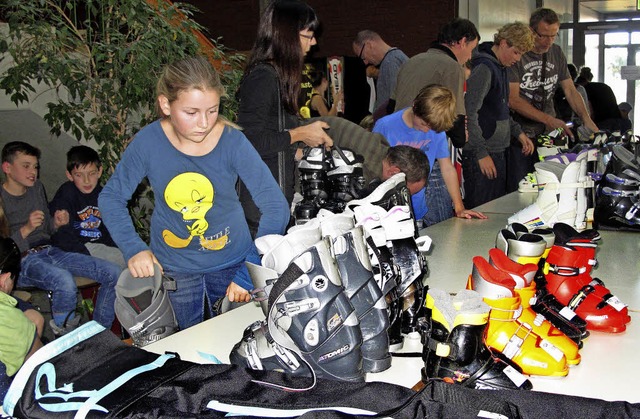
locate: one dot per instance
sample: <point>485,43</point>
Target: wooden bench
<point>22,295</point>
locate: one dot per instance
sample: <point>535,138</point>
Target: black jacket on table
<point>259,116</point>
<point>85,221</point>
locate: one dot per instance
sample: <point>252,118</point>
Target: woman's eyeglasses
<point>309,37</point>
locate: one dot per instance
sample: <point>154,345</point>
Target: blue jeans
<point>5,381</point>
<point>53,269</point>
<point>439,204</point>
<point>478,188</point>
<point>518,165</point>
<point>188,300</point>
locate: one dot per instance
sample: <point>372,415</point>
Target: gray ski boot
<point>350,251</point>
<point>143,307</point>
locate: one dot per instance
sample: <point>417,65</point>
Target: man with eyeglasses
<point>372,50</point>
<point>532,83</point>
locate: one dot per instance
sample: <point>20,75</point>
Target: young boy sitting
<point>18,336</point>
<point>45,266</point>
<point>85,233</point>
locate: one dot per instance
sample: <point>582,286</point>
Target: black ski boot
<point>454,349</point>
<point>310,314</point>
<point>618,200</point>
<point>308,309</point>
<point>313,184</point>
<point>350,251</point>
<point>345,178</point>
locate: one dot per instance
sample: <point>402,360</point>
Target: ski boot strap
<point>441,349</point>
<point>568,270</point>
<point>580,296</point>
<point>616,180</point>
<point>515,313</point>
<point>288,277</point>
<point>617,193</point>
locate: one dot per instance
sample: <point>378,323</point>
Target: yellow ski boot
<point>516,340</point>
<point>537,321</point>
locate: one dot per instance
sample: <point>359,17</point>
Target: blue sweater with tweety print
<point>198,224</point>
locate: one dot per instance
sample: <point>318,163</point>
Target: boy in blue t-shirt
<point>85,233</point>
<point>423,126</point>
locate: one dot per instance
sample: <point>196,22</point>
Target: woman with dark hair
<point>269,92</point>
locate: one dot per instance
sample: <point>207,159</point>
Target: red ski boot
<point>523,275</point>
<point>568,278</point>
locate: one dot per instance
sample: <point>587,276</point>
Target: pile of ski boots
<point>543,300</point>
<point>565,190</point>
<point>331,288</point>
<point>328,179</point>
<point>550,149</point>
<point>606,181</point>
<point>618,191</point>
<point>396,253</point>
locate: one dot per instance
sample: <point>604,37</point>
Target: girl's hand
<point>237,294</point>
<point>141,264</point>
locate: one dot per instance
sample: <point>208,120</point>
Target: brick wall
<point>408,24</point>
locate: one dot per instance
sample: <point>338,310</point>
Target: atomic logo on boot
<point>335,353</point>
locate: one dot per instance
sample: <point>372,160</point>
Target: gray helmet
<point>143,307</point>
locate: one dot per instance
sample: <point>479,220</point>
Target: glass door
<point>606,52</point>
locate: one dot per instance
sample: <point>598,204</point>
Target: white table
<point>609,367</point>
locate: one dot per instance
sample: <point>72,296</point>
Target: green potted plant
<point>102,59</point>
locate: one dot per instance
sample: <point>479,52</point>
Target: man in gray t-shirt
<point>532,84</point>
<point>371,49</point>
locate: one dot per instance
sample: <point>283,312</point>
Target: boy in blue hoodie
<point>488,121</point>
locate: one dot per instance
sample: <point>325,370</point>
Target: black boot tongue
<point>287,278</point>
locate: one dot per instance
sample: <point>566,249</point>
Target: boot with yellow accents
<point>537,321</point>
<point>516,340</point>
<point>454,349</point>
<point>523,275</point>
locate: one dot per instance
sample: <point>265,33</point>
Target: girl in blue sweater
<point>193,158</point>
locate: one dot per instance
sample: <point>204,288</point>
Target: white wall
<point>25,122</point>
<point>489,15</point>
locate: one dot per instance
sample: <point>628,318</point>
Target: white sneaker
<point>67,326</point>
